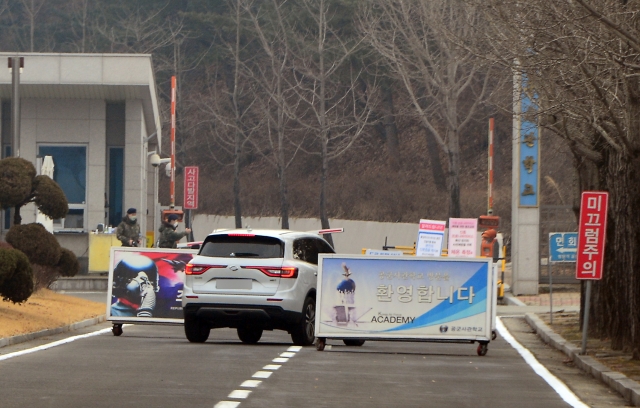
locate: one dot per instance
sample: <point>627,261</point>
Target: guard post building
<point>97,116</point>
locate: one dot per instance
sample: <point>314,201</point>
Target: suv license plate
<point>233,284</point>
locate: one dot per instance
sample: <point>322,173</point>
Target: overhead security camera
<point>155,160</point>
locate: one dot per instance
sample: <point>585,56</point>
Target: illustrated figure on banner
<point>345,312</point>
<point>135,284</point>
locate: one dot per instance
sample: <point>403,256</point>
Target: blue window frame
<point>70,172</point>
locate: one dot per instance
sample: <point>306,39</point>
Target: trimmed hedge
<point>16,179</point>
<point>16,276</point>
<point>50,198</point>
<point>38,244</point>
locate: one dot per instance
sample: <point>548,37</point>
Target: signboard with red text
<point>462,237</point>
<point>430,237</point>
<point>591,234</point>
<point>190,188</point>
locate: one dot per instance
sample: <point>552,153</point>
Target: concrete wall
<point>356,235</point>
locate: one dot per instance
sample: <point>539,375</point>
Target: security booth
<point>97,116</point>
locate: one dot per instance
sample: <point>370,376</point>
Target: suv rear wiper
<point>244,254</point>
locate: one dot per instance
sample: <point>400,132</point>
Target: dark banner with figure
<point>145,285</point>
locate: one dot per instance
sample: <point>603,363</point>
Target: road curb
<point>49,332</point>
<point>628,388</point>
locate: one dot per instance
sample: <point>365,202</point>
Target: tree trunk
<point>453,156</point>
<point>17,219</point>
<point>390,129</point>
<point>615,301</point>
<point>433,151</point>
<point>324,219</point>
<point>284,200</point>
<point>237,209</point>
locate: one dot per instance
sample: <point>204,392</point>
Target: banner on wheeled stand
<point>413,298</point>
<point>145,284</point>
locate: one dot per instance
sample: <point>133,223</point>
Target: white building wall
<point>96,166</point>
<point>135,159</point>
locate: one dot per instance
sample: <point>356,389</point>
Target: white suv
<point>253,280</point>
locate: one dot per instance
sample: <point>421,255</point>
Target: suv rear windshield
<point>225,246</point>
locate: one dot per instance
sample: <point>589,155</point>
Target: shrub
<point>16,178</point>
<point>68,265</point>
<point>16,276</point>
<point>49,197</point>
<point>38,244</point>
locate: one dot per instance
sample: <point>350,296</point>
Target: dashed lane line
<point>263,374</point>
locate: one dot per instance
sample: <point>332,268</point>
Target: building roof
<point>111,77</point>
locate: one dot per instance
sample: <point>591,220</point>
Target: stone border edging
<point>21,338</point>
<point>628,388</point>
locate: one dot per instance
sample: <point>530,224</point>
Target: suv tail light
<point>193,269</point>
<point>276,272</point>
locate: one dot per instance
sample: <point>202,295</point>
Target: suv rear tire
<point>249,335</point>
<point>195,331</point>
<point>303,333</point>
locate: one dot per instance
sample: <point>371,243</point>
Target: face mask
<point>133,218</point>
<point>175,224</point>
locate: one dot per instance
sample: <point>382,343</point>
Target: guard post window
<point>70,172</point>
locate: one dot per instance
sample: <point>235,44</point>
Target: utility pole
<point>16,64</point>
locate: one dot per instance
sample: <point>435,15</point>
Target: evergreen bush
<point>49,197</point>
<point>16,275</point>
<point>38,244</point>
<point>16,179</point>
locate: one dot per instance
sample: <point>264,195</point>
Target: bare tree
<point>275,98</point>
<point>335,107</point>
<point>32,8</point>
<point>583,59</point>
<point>445,82</point>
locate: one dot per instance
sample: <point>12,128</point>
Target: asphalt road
<point>155,366</point>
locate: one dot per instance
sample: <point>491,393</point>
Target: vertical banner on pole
<point>173,142</point>
<point>590,255</point>
<point>190,187</point>
<point>591,234</point>
<point>529,148</point>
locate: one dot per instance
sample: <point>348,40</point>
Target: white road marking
<point>262,374</point>
<point>271,367</point>
<point>243,394</point>
<point>563,391</point>
<point>55,344</point>
<point>251,383</point>
<point>240,394</point>
<point>226,404</point>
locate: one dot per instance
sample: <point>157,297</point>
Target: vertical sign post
<point>591,238</point>
<point>490,192</point>
<point>562,248</point>
<point>173,142</point>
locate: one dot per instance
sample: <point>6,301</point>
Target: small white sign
<point>378,252</point>
<point>462,237</point>
<point>430,237</point>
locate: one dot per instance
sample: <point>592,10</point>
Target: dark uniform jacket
<point>128,230</point>
<point>169,237</point>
